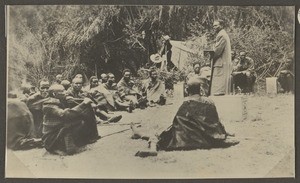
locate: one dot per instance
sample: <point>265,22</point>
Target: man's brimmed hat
<point>156,58</point>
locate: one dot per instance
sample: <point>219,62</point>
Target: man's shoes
<point>230,134</point>
<point>114,119</point>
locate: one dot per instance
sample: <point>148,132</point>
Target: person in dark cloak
<point>35,104</point>
<point>196,125</point>
<point>66,129</point>
<point>286,76</point>
<point>20,127</point>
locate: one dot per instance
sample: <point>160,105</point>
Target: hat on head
<point>166,37</point>
<point>156,58</point>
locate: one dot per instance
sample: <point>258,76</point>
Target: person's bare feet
<point>230,134</point>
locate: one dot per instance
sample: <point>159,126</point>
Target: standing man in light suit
<point>222,66</point>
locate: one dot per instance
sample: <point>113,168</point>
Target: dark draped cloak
<point>20,126</point>
<point>59,121</point>
<point>195,126</point>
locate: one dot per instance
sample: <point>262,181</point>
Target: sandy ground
<point>266,148</point>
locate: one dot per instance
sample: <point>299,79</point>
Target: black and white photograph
<point>150,91</point>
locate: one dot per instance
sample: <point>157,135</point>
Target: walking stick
<point>116,124</point>
<point>211,54</point>
<point>116,132</point>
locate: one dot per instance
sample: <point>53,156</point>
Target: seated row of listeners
<point>65,114</point>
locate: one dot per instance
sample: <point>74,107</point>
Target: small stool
<point>231,107</point>
<point>271,85</point>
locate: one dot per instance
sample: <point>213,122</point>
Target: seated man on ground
<point>66,129</point>
<point>104,78</point>
<point>195,73</point>
<point>111,86</point>
<point>127,91</point>
<point>234,59</point>
<point>244,74</point>
<point>93,83</point>
<point>111,82</point>
<point>35,105</point>
<point>27,91</point>
<point>154,90</point>
<point>101,95</point>
<point>58,79</point>
<point>20,127</point>
<point>203,74</point>
<point>75,95</point>
<point>195,126</point>
<point>286,76</point>
<point>84,79</point>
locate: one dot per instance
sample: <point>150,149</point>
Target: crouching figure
<point>196,125</point>
<point>66,129</point>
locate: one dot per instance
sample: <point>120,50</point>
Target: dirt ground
<point>266,148</point>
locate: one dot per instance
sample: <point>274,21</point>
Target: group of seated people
<point>65,114</point>
<point>243,75</point>
<point>66,118</point>
<point>242,78</point>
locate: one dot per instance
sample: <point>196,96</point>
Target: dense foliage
<point>46,40</point>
